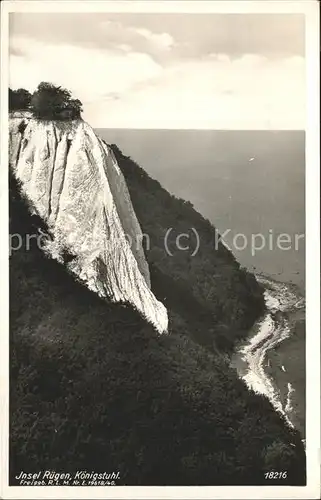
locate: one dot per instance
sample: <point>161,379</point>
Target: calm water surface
<point>247,182</point>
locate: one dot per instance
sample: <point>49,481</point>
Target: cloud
<point>92,31</point>
<point>247,93</point>
<point>168,71</point>
<point>273,35</point>
<point>90,74</point>
<point>162,40</point>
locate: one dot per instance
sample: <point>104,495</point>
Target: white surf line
<point>288,407</point>
<point>278,298</point>
<point>256,377</point>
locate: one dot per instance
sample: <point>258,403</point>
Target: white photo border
<point>309,8</point>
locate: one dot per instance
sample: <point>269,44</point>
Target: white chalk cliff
<point>74,183</point>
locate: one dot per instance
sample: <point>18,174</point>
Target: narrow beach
<point>272,360</point>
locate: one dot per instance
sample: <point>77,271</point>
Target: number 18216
<point>276,475</point>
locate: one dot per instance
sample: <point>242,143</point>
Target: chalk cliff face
<point>73,181</point>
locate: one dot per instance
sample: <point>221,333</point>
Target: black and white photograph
<point>160,180</point>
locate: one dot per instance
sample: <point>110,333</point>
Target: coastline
<point>271,360</point>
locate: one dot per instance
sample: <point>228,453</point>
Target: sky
<point>217,71</point>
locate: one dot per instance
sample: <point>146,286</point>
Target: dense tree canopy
<point>48,102</point>
<point>210,284</point>
<point>19,100</point>
<point>92,386</point>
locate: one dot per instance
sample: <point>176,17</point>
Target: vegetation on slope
<point>211,282</point>
<point>19,100</point>
<point>48,102</point>
<point>92,386</point>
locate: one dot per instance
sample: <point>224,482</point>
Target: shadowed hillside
<point>211,282</point>
<point>94,387</point>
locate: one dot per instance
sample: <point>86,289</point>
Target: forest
<point>93,387</point>
<point>48,102</point>
<point>209,285</point>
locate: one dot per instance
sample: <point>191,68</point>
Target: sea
<point>251,186</point>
